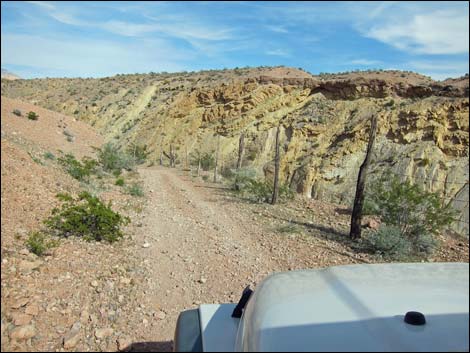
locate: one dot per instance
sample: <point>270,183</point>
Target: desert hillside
<point>189,242</point>
<point>7,75</point>
<point>423,124</point>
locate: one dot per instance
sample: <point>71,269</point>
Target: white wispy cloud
<point>43,4</point>
<point>86,57</point>
<point>182,27</point>
<point>127,29</point>
<point>440,69</point>
<point>437,32</point>
<point>365,62</point>
<point>440,65</point>
<point>278,52</point>
<point>277,28</point>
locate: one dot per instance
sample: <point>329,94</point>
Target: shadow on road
<point>212,187</point>
<point>165,346</point>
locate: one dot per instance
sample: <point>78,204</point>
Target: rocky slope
<point>423,124</point>
<point>53,302</point>
<point>189,242</point>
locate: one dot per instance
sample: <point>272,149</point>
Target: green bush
<point>119,182</point>
<point>33,116</point>
<point>138,153</point>
<point>289,228</point>
<point>247,186</point>
<point>87,217</point>
<point>413,210</point>
<point>227,172</point>
<point>416,216</point>
<point>49,155</point>
<point>35,159</point>
<point>113,160</point>
<point>38,243</point>
<point>207,161</point>
<point>135,190</point>
<point>389,242</point>
<point>78,170</point>
<point>242,177</point>
<point>17,112</point>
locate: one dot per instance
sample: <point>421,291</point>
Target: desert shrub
<point>227,172</point>
<point>256,190</point>
<point>409,207</point>
<point>112,159</point>
<point>207,161</point>
<point>119,182</point>
<point>17,112</point>
<point>389,242</point>
<point>285,193</point>
<point>33,116</point>
<point>289,228</point>
<point>86,217</point>
<point>417,215</point>
<point>241,178</point>
<point>35,159</point>
<point>139,153</point>
<point>38,243</point>
<point>49,155</point>
<point>135,190</point>
<point>78,170</point>
<point>251,155</point>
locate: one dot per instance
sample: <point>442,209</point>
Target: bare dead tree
<point>161,157</point>
<point>172,156</point>
<point>356,217</point>
<point>187,158</point>
<point>216,159</point>
<point>241,148</point>
<point>276,170</point>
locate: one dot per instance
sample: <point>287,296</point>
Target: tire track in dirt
<point>195,251</point>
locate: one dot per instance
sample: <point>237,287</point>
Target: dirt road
<point>194,250</point>
<point>191,243</point>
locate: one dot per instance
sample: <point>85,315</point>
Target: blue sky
<point>96,39</point>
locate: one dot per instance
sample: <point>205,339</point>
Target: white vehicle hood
<point>359,308</point>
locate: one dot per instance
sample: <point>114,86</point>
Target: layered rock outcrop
<point>423,125</point>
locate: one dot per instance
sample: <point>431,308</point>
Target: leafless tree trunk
<point>161,157</point>
<point>198,165</point>
<point>216,159</point>
<point>172,157</point>
<point>187,160</point>
<point>276,170</point>
<point>356,217</point>
<point>241,148</point>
